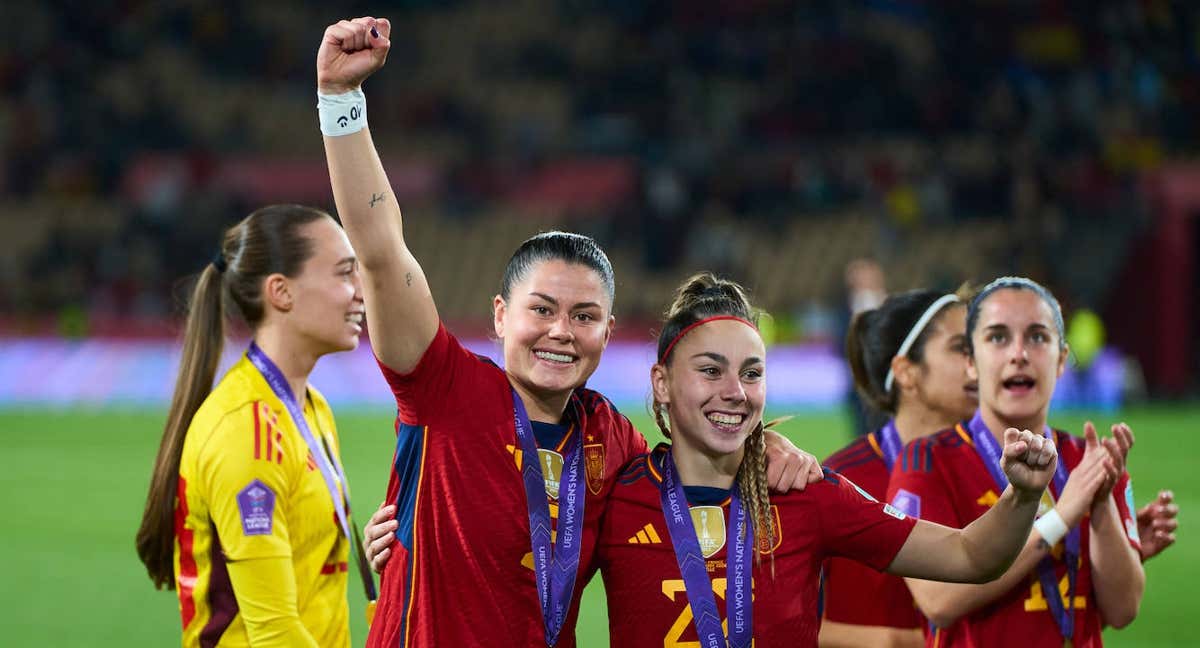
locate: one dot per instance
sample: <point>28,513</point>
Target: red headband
<point>706,320</point>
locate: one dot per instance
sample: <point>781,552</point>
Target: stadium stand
<point>802,136</point>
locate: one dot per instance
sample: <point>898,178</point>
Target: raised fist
<point>351,51</point>
<point>1029,460</point>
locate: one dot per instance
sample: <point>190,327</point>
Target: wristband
<point>342,114</point>
<point>1051,527</point>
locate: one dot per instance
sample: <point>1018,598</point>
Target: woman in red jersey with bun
<point>693,549</point>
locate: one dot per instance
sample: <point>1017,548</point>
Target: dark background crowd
<point>778,142</point>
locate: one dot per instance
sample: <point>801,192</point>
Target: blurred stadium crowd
<point>949,140</point>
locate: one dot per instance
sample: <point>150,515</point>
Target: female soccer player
<point>247,516</point>
<point>909,360</point>
<point>691,537</point>
<point>500,475</point>
<point>1080,567</point>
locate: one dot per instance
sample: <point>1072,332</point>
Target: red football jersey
<point>944,477</point>
<point>853,592</point>
<point>647,600</point>
<point>461,570</point>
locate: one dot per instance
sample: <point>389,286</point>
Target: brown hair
<point>875,337</point>
<point>561,246</point>
<point>701,296</point>
<point>266,242</point>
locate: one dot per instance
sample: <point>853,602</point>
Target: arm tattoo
<point>408,278</point>
<point>378,197</point>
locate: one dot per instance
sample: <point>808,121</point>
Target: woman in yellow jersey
<point>247,513</point>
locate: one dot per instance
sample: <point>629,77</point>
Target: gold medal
<point>370,612</point>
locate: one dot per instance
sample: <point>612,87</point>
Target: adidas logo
<point>646,536</point>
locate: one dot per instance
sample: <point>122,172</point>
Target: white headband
<point>916,332</point>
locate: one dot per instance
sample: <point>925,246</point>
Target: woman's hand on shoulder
<point>788,467</point>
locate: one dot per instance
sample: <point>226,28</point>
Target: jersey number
<point>672,589</point>
<point>1037,599</point>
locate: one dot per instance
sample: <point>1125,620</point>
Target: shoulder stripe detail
<point>635,471</point>
<point>257,435</point>
<point>845,466</point>
<point>918,455</point>
<point>268,437</point>
<point>850,454</point>
<point>908,461</point>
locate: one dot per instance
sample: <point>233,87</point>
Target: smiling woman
<point>248,475</point>
<point>554,313</point>
<point>694,550</point>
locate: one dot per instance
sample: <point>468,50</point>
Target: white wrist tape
<point>1051,527</point>
<point>342,114</point>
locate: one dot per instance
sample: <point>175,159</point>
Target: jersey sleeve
<point>266,598</point>
<point>247,483</point>
<point>855,525</point>
<point>444,366</point>
<point>1123,494</point>
<point>916,488</point>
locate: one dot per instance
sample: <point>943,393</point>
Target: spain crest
<point>593,455</point>
<point>776,531</point>
<point>709,522</point>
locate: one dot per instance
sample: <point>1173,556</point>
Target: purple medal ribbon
<point>331,471</point>
<point>696,582</point>
<point>555,563</point>
<point>989,452</point>
<point>889,443</point>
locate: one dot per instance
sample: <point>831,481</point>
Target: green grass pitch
<point>74,482</point>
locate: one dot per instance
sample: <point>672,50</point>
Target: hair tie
<point>219,262</point>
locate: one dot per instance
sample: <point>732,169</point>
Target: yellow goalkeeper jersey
<point>259,556</point>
